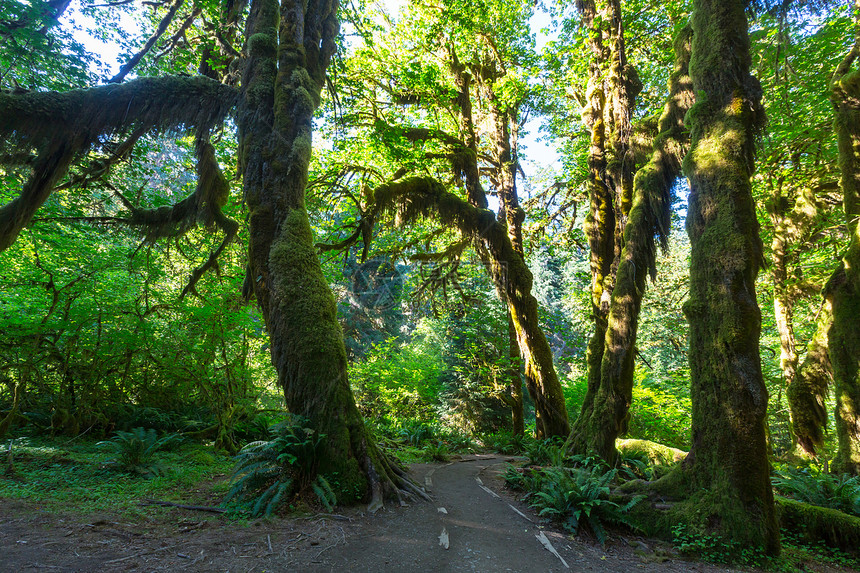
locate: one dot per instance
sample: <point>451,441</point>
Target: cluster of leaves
<point>270,473</point>
<point>507,442</point>
<point>714,548</point>
<point>413,440</point>
<point>573,496</point>
<point>134,451</point>
<point>836,491</point>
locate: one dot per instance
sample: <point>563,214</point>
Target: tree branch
<point>135,59</point>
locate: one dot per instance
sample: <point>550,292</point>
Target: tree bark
<point>600,425</point>
<point>518,426</point>
<point>289,47</point>
<point>727,467</point>
<point>844,335</point>
<point>600,222</point>
<point>807,390</point>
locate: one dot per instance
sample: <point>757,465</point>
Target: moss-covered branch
<point>423,197</point>
<point>61,126</point>
<point>607,414</point>
<point>159,104</point>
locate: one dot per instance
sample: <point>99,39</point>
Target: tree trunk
<point>599,426</point>
<point>611,90</point>
<point>518,426</point>
<point>844,335</point>
<point>727,467</point>
<point>808,389</point>
<point>288,50</point>
<point>415,197</point>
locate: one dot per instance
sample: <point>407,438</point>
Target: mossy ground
<point>59,475</point>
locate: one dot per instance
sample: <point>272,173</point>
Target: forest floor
<point>486,528</point>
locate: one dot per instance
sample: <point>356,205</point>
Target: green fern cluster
<point>575,497</point>
<point>133,451</point>
<point>270,473</point>
<point>836,491</point>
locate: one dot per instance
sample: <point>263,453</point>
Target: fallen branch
<point>183,506</point>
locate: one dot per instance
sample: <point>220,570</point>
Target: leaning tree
<point>286,49</point>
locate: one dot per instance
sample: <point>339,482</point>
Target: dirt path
<point>486,530</point>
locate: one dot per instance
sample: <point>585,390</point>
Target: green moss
<point>657,453</point>
<point>262,44</point>
<point>814,523</point>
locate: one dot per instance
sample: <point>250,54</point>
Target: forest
<point>285,250</point>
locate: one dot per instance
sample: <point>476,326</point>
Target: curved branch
<point>172,102</point>
<point>135,59</point>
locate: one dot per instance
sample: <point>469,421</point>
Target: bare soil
<point>487,531</point>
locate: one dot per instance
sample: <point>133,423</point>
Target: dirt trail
<point>487,531</point>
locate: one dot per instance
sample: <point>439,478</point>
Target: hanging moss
<point>727,468</point>
<point>605,412</point>
<point>163,103</point>
<point>414,198</point>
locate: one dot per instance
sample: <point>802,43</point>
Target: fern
<point>270,473</point>
<point>133,451</point>
<point>577,496</point>
<point>841,492</point>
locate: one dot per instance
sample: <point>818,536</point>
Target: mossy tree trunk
<point>795,212</point>
<point>727,469</point>
<point>504,179</point>
<point>600,220</point>
<point>289,47</point>
<point>808,389</point>
<point>844,335</point>
<point>415,197</point>
<point>600,425</point>
<point>610,92</point>
<point>515,395</point>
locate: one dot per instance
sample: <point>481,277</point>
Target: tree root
<point>387,479</point>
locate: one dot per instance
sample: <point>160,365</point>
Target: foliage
<point>836,491</point>
<point>714,548</point>
<point>506,442</point>
<point>133,451</point>
<point>270,473</point>
<point>58,474</point>
<point>546,452</point>
<point>575,497</point>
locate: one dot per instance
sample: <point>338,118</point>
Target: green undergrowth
<point>61,474</point>
<point>414,441</point>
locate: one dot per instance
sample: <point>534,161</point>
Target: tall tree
<point>605,417</point>
<point>844,335</point>
<point>475,52</point>
<point>727,468</point>
<point>287,49</point>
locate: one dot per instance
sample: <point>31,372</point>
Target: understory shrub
<point>271,473</point>
<point>835,491</point>
<point>133,451</point>
<point>573,497</point>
